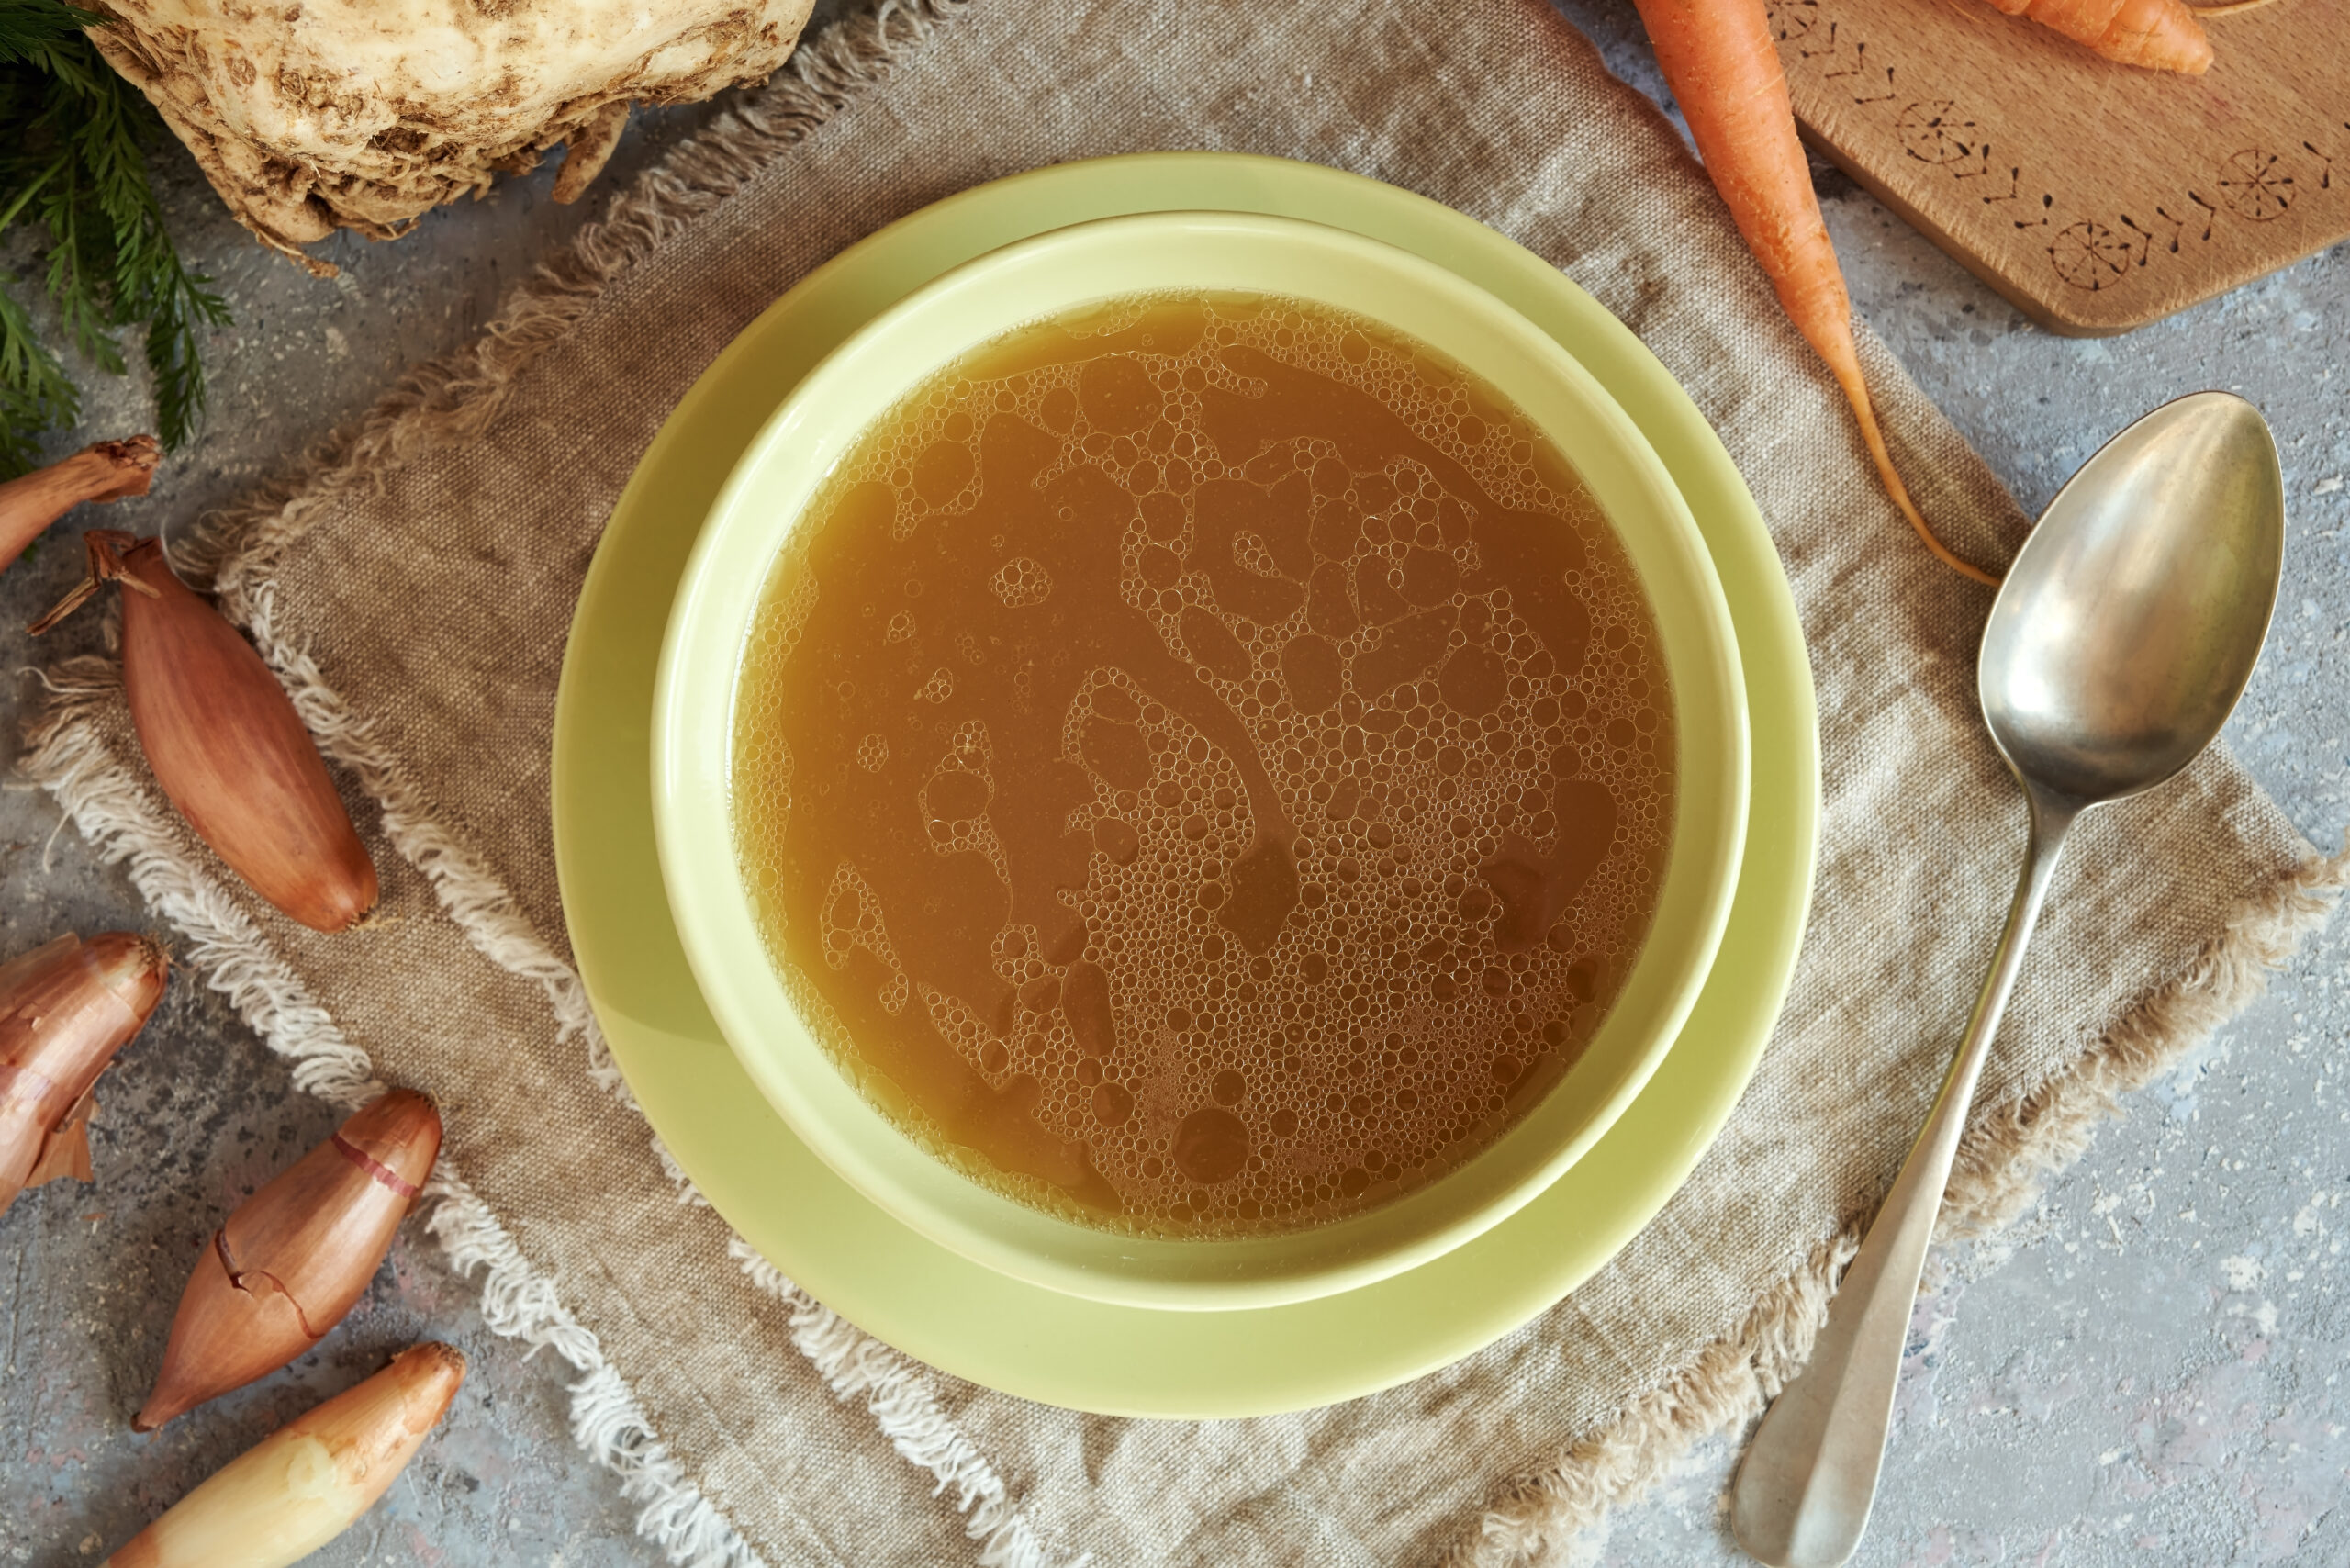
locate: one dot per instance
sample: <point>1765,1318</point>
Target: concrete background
<point>2147,1369</point>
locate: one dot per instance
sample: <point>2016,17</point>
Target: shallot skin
<point>311,1479</point>
<point>65,1009</point>
<point>229,749</point>
<point>295,1258</point>
<point>106,471</point>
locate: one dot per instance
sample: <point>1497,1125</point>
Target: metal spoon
<point>2118,646</point>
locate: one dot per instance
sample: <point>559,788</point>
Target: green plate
<point>930,1302</point>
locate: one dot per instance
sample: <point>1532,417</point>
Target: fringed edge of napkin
<point>116,809</point>
<point>2009,1153</point>
<point>119,811</point>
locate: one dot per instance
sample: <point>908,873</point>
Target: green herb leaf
<point>34,392</point>
<point>28,28</point>
<point>73,140</point>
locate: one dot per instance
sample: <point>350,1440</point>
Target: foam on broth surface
<point>1204,767</point>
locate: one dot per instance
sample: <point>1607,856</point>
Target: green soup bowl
<point>769,496</point>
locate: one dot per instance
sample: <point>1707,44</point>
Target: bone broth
<point>1204,769</point>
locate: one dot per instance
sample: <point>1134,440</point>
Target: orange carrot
<point>1719,61</point>
<point>2162,35</point>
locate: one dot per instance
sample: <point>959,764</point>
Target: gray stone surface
<point>2147,1369</point>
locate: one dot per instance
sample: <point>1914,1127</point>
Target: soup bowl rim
<point>768,496</point>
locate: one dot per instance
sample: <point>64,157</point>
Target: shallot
<point>224,740</point>
<point>65,1009</point>
<point>308,1481</point>
<point>295,1257</point>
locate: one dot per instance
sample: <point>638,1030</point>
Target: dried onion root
<point>310,1480</point>
<point>65,1009</point>
<point>224,740</point>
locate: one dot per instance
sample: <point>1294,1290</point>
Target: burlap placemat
<point>415,583</point>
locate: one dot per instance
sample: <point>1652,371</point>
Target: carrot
<point>2162,35</point>
<point>1719,59</point>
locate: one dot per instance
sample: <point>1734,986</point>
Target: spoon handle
<point>1803,1492</point>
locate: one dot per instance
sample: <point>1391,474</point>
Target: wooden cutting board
<point>2097,197</point>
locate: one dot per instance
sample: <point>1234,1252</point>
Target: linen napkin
<point>414,585</point>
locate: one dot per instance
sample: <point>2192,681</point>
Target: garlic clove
<point>310,1480</point>
<point>296,1257</point>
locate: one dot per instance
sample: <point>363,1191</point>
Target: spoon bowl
<point>2131,618</point>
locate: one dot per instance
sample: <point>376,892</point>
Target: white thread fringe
<point>895,1390</point>
<point>606,1419</point>
<point>120,816</point>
